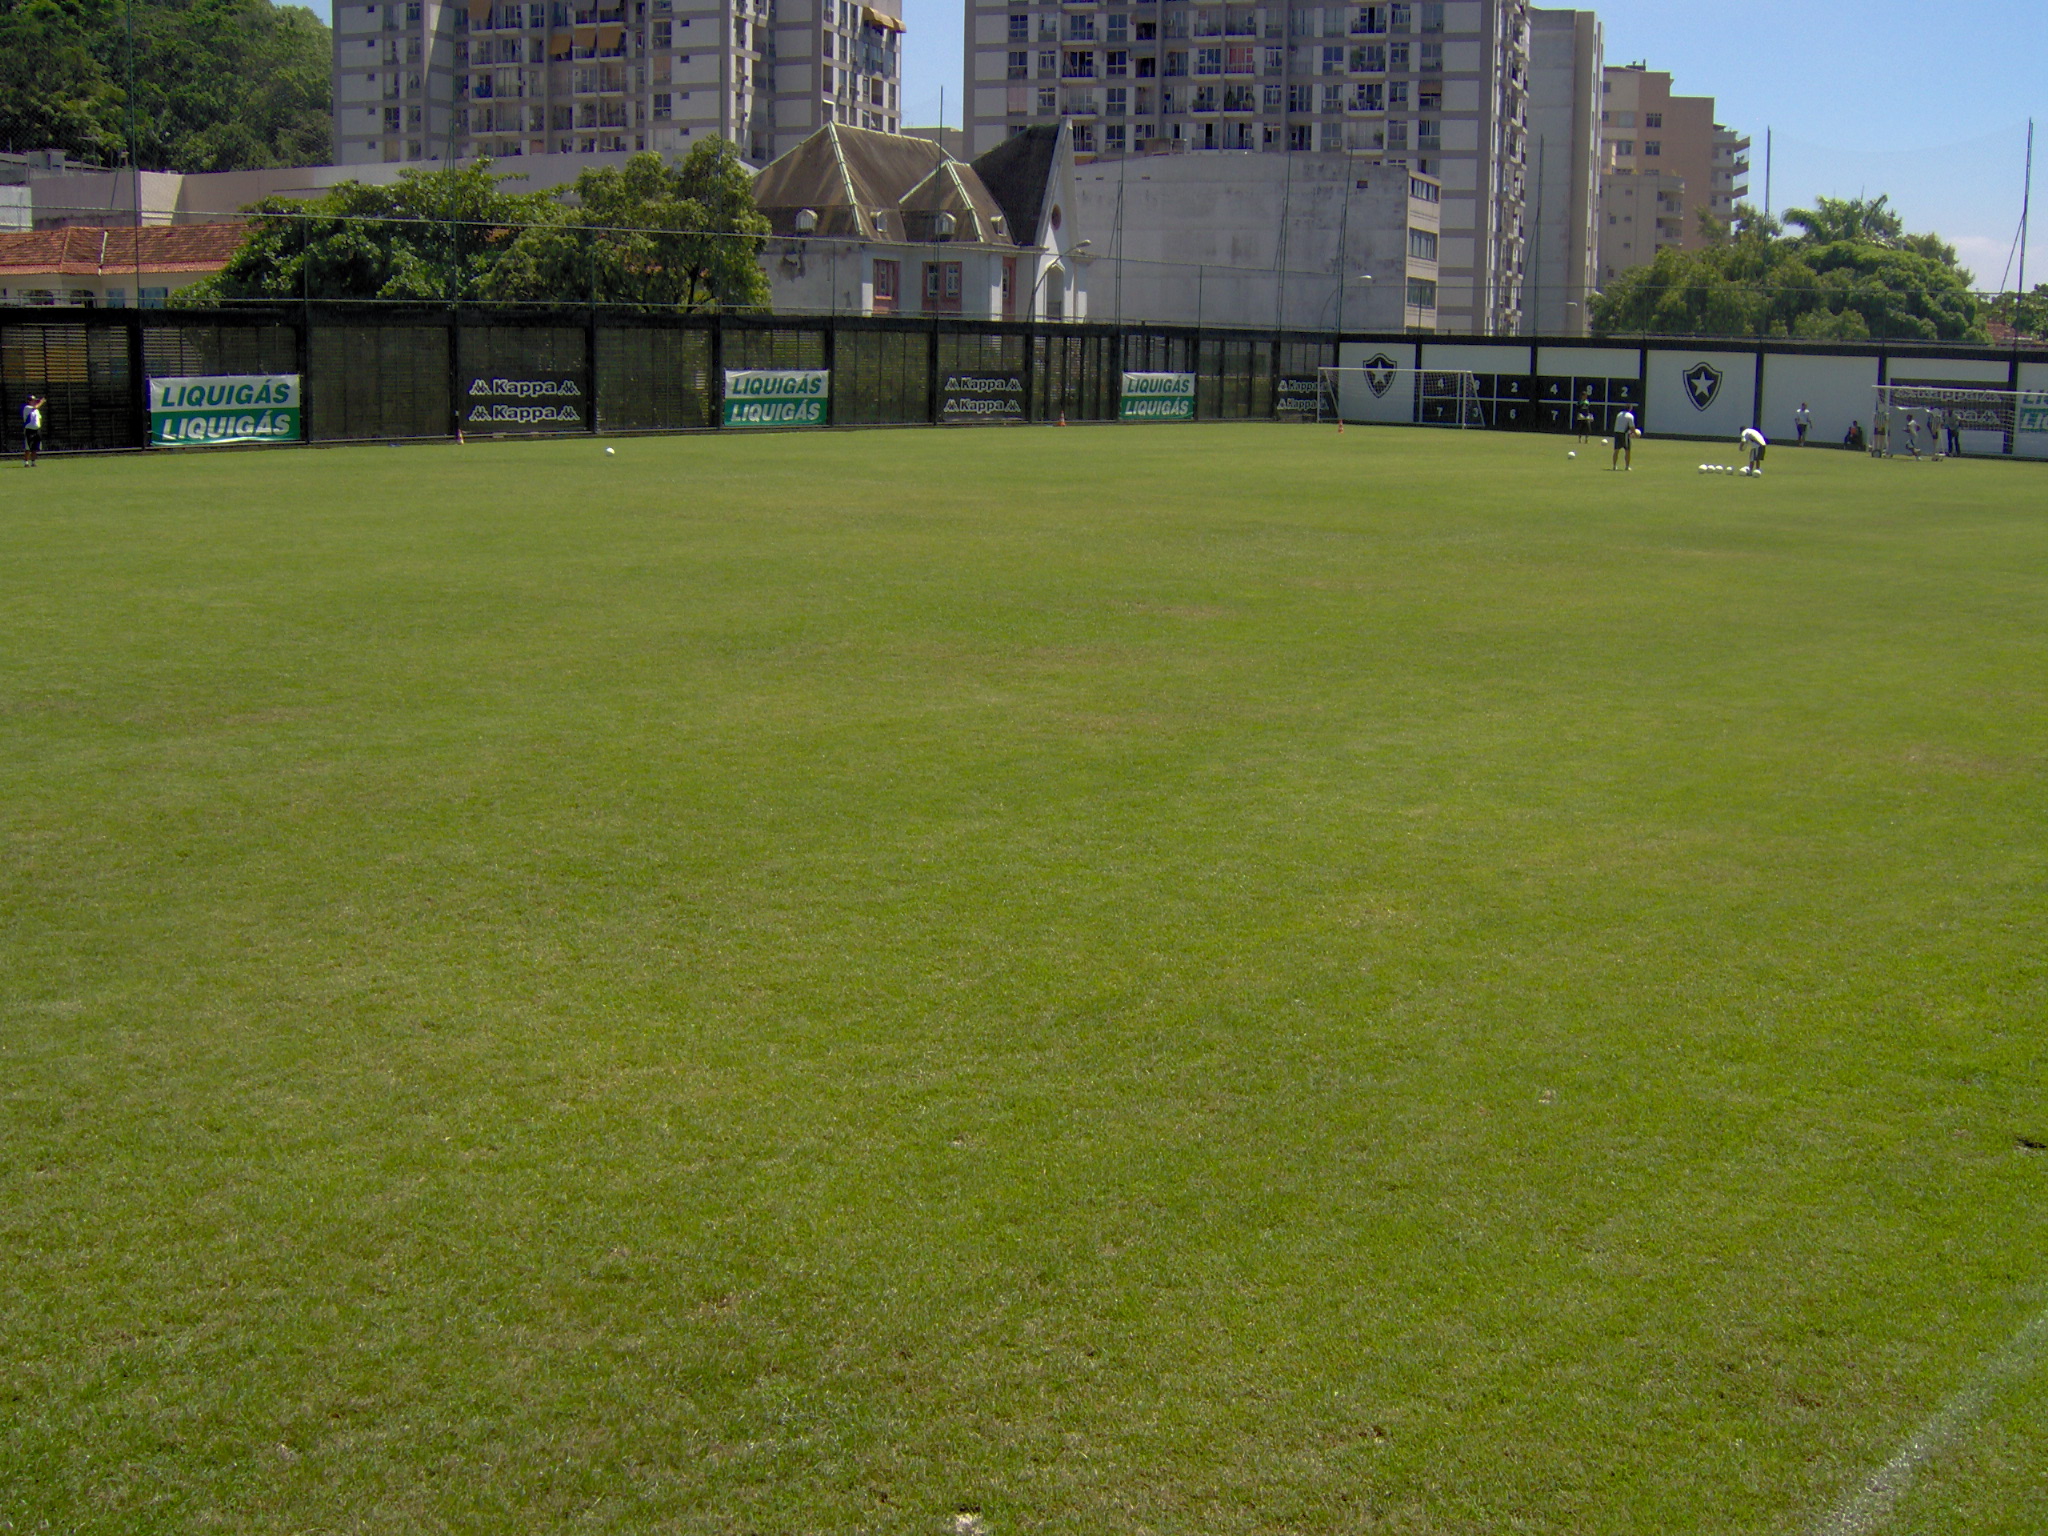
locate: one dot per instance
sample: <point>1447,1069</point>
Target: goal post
<point>1447,397</point>
<point>1967,407</point>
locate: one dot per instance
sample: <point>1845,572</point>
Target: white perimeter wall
<point>1356,401</point>
<point>1475,358</point>
<point>1669,405</point>
<point>1838,389</point>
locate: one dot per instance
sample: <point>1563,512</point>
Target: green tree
<point>219,84</point>
<point>1851,273</point>
<point>433,235</point>
<point>647,234</point>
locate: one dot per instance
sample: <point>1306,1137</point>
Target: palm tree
<point>1847,218</point>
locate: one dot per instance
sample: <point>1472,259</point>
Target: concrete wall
<point>1252,240</point>
<point>1564,160</point>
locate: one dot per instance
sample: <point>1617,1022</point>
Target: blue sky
<point>1928,103</point>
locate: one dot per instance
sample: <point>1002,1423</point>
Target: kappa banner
<point>777,397</point>
<point>1157,397</point>
<point>980,399</point>
<point>549,404</point>
<point>1298,397</point>
<point>231,408</point>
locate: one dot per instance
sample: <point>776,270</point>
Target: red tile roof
<point>91,251</point>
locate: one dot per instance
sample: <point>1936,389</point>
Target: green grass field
<point>1199,981</point>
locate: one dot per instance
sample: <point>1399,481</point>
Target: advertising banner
<point>230,408</point>
<point>981,398</point>
<point>1296,396</point>
<point>1157,397</point>
<point>777,397</point>
<point>551,404</point>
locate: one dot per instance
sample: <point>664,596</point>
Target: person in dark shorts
<point>1803,420</point>
<point>1954,424</point>
<point>31,430</point>
<point>1585,420</point>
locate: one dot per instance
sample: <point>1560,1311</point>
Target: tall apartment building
<point>1438,86</point>
<point>1666,162</point>
<point>1563,270</point>
<point>426,80</point>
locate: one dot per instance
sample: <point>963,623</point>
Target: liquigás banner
<point>552,404</point>
<point>230,408</point>
<point>777,397</point>
<point>1158,397</point>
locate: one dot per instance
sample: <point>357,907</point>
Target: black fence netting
<point>117,379</point>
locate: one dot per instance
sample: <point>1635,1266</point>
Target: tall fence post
<point>138,380</point>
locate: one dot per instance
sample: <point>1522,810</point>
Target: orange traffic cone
<point>1063,418</point>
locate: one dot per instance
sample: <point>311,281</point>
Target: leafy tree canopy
<point>220,85</point>
<point>647,234</point>
<point>1849,274</point>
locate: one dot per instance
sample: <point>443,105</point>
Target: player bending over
<point>1625,434</point>
<point>1753,440</point>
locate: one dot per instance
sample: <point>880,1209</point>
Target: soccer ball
<point>1571,453</point>
<point>611,450</point>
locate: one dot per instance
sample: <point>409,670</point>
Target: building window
<point>1397,55</point>
<point>1422,245</point>
<point>661,107</point>
<point>1653,119</point>
<point>1429,135</point>
<point>1020,68</point>
<point>1369,96</point>
<point>1048,101</point>
<point>1237,59</point>
<point>1080,66</point>
<point>1624,146</point>
<point>1048,62</point>
<point>1113,138</point>
<point>1370,19</point>
<point>888,275</point>
<point>1421,293</point>
<point>1653,146</point>
<point>1424,191</point>
<point>1116,63</point>
<point>1399,14</point>
<point>1301,98</point>
<point>1205,99</point>
<point>1115,100</point>
<point>1273,98</point>
<point>1432,58</point>
<point>1333,98</point>
<point>1369,60</point>
<point>1297,136</point>
<point>1432,16</point>
<point>1208,61</point>
<point>941,287</point>
<point>1333,61</point>
<point>1080,29</point>
<point>1020,29</point>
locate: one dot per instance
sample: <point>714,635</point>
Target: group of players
<point>1626,431</point>
<point>1753,442</point>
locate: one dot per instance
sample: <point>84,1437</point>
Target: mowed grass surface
<point>1184,980</point>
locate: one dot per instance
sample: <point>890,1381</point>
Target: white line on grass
<point>1871,1505</point>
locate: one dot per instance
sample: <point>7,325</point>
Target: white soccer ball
<point>1571,453</point>
<point>1703,469</point>
<point>611,450</point>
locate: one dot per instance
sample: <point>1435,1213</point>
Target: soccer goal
<point>1899,408</point>
<point>1413,396</point>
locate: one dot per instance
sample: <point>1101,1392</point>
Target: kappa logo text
<point>1702,384</point>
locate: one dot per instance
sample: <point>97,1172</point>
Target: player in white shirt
<point>1625,434</point>
<point>1754,441</point>
<point>1802,419</point>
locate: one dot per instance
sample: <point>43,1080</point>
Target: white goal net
<point>1929,416</point>
<point>1411,396</point>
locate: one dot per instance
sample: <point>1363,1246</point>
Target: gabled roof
<point>953,188</point>
<point>854,179</point>
<point>93,251</point>
<point>1017,172</point>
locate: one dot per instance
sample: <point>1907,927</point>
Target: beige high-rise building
<point>1436,86</point>
<point>1666,161</point>
<point>427,80</point>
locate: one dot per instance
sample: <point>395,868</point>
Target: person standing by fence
<point>31,430</point>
